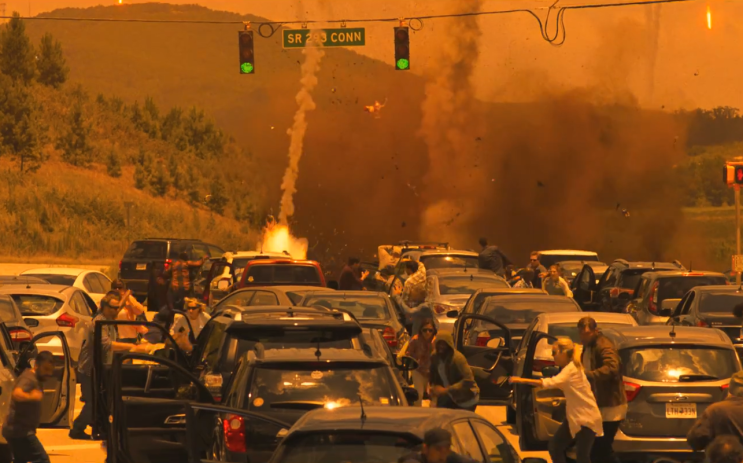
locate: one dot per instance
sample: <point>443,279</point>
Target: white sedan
<point>96,284</point>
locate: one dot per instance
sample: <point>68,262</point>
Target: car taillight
<point>653,300</point>
<point>20,334</point>
<point>702,323</point>
<point>725,387</point>
<point>168,262</point>
<point>390,336</point>
<point>482,339</point>
<point>120,264</point>
<point>67,320</point>
<point>214,384</point>
<point>538,365</point>
<point>631,390</point>
<point>234,433</point>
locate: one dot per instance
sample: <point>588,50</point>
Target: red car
<point>276,272</point>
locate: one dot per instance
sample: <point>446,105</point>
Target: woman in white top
<point>583,423</point>
<point>186,330</point>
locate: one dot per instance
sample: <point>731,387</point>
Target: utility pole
<point>737,231</point>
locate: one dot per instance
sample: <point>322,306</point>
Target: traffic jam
<point>245,356</point>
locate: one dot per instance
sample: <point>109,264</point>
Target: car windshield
<point>526,311</point>
<point>147,250</point>
<point>570,330</point>
<point>362,307</point>
<point>677,287</point>
<point>64,280</point>
<point>308,385</point>
<point>32,304</point>
<point>671,364</point>
<point>630,278</point>
<point>283,275</point>
<point>452,261</point>
<point>347,446</point>
<point>719,302</point>
<point>468,285</point>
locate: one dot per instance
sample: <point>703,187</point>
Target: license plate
<point>141,266</point>
<point>683,411</point>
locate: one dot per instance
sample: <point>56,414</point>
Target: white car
<point>55,308</point>
<point>228,269</point>
<point>553,256</point>
<point>96,284</point>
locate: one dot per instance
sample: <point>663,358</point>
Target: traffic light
<point>247,56</point>
<point>402,48</point>
<point>732,173</point>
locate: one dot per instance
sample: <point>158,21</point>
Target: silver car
<point>55,308</point>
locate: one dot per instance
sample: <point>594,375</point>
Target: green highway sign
<point>343,37</point>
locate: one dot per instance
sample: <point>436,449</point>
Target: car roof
<point>285,261</point>
<point>684,273</point>
<point>42,290</point>
<point>447,252</point>
<point>528,298</point>
<point>718,289</point>
<point>649,265</point>
<point>504,292</point>
<point>276,311</point>
<point>239,254</point>
<point>568,252</point>
<point>462,272</point>
<point>56,271</point>
<point>294,354</point>
<point>344,294</point>
<point>600,317</point>
<point>285,289</point>
<point>401,420</point>
<point>592,263</point>
<point>660,335</point>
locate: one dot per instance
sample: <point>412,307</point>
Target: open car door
<point>539,411</point>
<point>584,289</point>
<point>148,420</point>
<point>58,404</point>
<point>491,364</point>
<point>136,377</point>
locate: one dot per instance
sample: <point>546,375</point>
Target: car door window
<point>78,304</point>
<point>498,451</point>
<point>215,251</point>
<point>609,278</point>
<point>687,305</point>
<point>527,333</point>
<point>468,442</point>
<point>264,298</point>
<point>642,288</point>
<point>92,285</point>
<point>104,282</point>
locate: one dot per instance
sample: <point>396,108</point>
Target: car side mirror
<point>549,372</point>
<point>453,314</point>
<point>282,433</point>
<point>411,395</point>
<point>407,363</point>
<point>222,285</point>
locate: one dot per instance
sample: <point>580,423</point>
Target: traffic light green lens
<point>246,68</point>
<point>402,63</point>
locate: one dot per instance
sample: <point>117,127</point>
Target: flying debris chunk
<point>540,184</point>
<point>376,109</point>
<point>404,225</point>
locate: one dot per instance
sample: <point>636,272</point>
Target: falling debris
<point>540,184</point>
<point>404,225</point>
<point>624,212</point>
<point>375,109</point>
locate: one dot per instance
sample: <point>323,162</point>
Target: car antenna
<point>689,266</point>
<point>673,331</point>
<point>652,266</point>
<point>317,352</point>
<point>363,413</point>
<point>472,277</point>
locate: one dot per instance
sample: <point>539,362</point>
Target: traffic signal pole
<point>737,229</point>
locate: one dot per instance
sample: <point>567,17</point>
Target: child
<point>583,423</point>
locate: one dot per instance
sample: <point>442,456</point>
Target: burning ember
<point>278,238</point>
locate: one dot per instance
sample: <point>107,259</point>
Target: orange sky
<point>694,66</point>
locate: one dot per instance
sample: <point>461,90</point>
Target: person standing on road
<point>436,449</point>
<point>583,423</point>
<point>186,329</point>
<point>491,258</point>
<point>453,383</point>
<point>180,278</point>
<point>110,306</point>
<point>525,282</point>
<point>130,311</point>
<point>24,414</point>
<point>414,289</point>
<point>725,417</point>
<point>540,271</point>
<point>603,369</point>
<point>555,285</point>
<point>352,279</point>
<point>420,348</point>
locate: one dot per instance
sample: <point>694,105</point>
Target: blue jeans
<point>28,450</point>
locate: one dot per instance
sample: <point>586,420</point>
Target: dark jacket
<point>720,418</point>
<point>606,375</point>
<point>491,258</point>
<point>462,385</point>
<point>349,280</point>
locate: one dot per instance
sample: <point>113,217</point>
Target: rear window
<point>36,305</point>
<point>570,330</point>
<point>283,275</point>
<point>466,285</point>
<point>630,278</point>
<point>64,280</point>
<point>363,308</point>
<point>147,250</point>
<point>675,288</point>
<point>672,364</point>
<point>719,303</point>
<point>352,446</point>
<point>434,262</point>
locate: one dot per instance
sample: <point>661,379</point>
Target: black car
<point>710,307</point>
<point>386,434</point>
<point>144,256</point>
<point>611,291</point>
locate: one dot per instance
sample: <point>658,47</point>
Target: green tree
<point>160,180</point>
<point>21,130</point>
<point>51,64</point>
<point>218,200</point>
<point>17,57</point>
<point>141,177</point>
<point>113,163</point>
<point>75,145</point>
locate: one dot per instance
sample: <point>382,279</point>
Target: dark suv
<point>158,253</point>
<point>658,293</point>
<point>616,286</point>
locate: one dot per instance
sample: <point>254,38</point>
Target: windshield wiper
<point>689,378</point>
<point>298,405</point>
